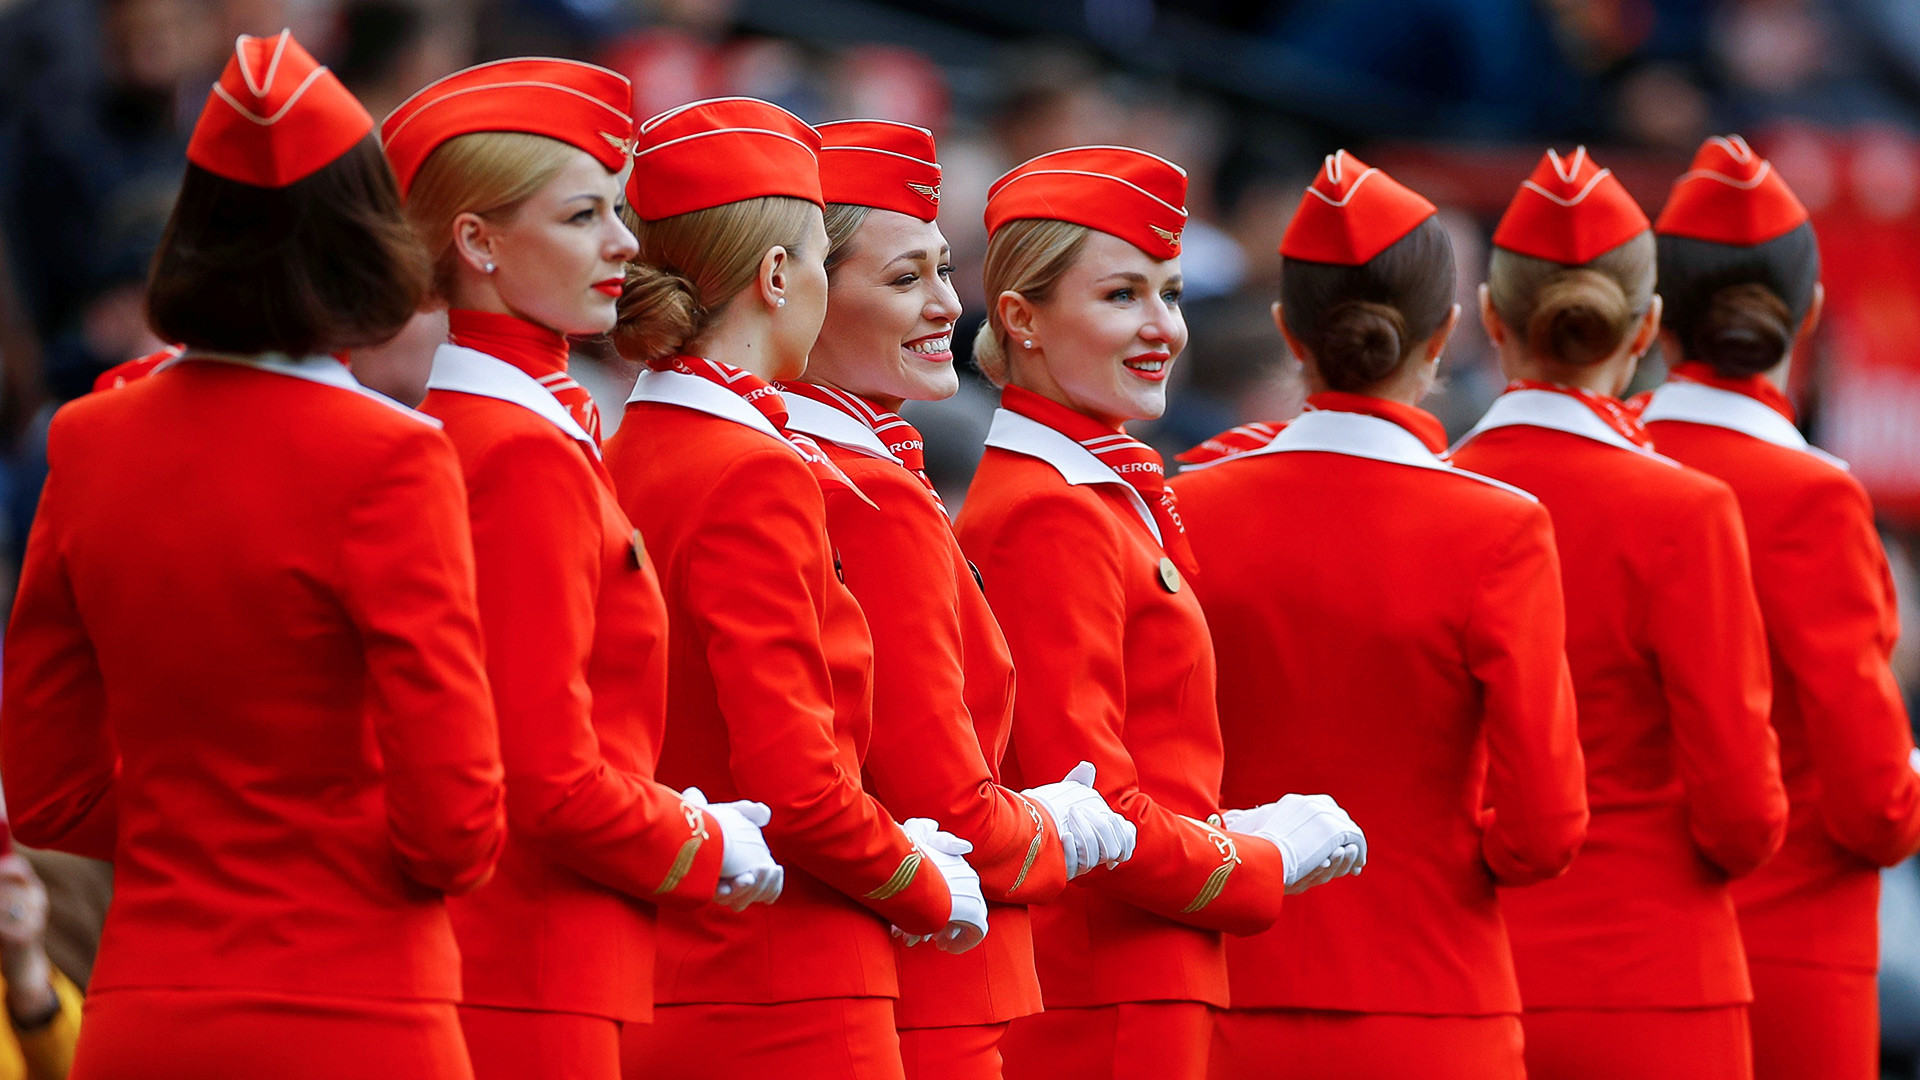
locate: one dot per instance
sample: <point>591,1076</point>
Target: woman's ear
<point>1649,328</point>
<point>1437,344</point>
<point>473,241</point>
<point>1298,350</point>
<point>1490,319</point>
<point>1814,307</point>
<point>1017,315</point>
<point>772,279</point>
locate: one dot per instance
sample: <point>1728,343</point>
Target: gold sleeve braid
<point>1033,849</point>
<point>902,876</point>
<point>683,862</point>
<point>1230,858</point>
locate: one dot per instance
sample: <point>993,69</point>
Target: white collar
<point>822,421</point>
<point>470,371</point>
<point>1698,403</point>
<point>317,369</point>
<point>1359,435</point>
<point>696,393</point>
<point>1075,463</point>
<point>1555,411</point>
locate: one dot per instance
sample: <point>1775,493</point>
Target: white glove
<point>967,925</point>
<point>1090,832</point>
<point>748,874</point>
<point>1913,759</point>
<point>1317,840</point>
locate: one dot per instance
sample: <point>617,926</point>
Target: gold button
<point>639,551</point>
<point>1169,577</point>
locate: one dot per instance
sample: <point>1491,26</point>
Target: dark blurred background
<point>1456,97</point>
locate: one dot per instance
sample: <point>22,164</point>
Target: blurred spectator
<point>391,48</point>
<point>43,1005</point>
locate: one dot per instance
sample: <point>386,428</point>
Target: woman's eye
<point>1120,296</point>
<point>1171,296</point>
<point>946,271</point>
<point>905,280</point>
<point>582,217</point>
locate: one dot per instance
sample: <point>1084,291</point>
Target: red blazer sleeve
<point>1054,576</point>
<point>1536,790</point>
<point>1833,621</point>
<point>406,581</point>
<point>1705,629</point>
<point>754,584</point>
<point>539,549</point>
<point>55,751</point>
<point>924,757</point>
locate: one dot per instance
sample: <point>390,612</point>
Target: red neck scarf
<point>1423,424</point>
<point>764,396</point>
<point>1232,443</point>
<point>1758,387</point>
<point>902,439</point>
<point>1130,459</point>
<point>534,349</point>
<point>1615,413</point>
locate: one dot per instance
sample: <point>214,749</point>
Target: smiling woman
<point>512,178</point>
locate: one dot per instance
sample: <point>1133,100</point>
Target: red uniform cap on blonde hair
<point>882,164</point>
<point>275,116</point>
<point>1570,211</point>
<point>1129,193</point>
<point>1730,196</point>
<point>720,151</point>
<point>582,105</point>
<point>1350,213</point>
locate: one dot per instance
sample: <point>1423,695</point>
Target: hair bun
<point>1361,343</point>
<point>659,313</point>
<point>1747,329</point>
<point>1581,317</point>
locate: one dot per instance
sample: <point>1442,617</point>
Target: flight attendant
<point>275,719</point>
<point>1631,964</point>
<point>511,171</point>
<point>1740,274</point>
<point>943,681</point>
<point>1088,569</point>
<point>1466,761</point>
<point>770,661</point>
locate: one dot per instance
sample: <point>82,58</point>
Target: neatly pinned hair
<point>1361,323</point>
<point>1573,314</point>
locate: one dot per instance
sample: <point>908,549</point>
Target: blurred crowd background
<point>1456,97</point>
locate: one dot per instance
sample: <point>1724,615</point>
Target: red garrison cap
<point>721,151</point>
<point>275,116</point>
<point>1570,211</point>
<point>582,105</point>
<point>1730,196</point>
<point>1350,213</point>
<point>1129,193</point>
<point>882,164</point>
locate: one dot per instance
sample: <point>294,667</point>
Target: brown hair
<point>323,264</point>
<point>1574,314</point>
<point>489,173</point>
<point>1361,323</point>
<point>1738,308</point>
<point>842,220</point>
<point>691,265</point>
<point>1028,257</point>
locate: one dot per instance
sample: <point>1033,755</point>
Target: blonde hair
<point>489,173</point>
<point>1028,257</point>
<point>842,221</point>
<point>1574,314</point>
<point>691,265</point>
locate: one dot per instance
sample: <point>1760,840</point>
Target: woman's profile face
<point>891,306</point>
<point>1107,337</point>
<point>796,324</point>
<point>560,257</point>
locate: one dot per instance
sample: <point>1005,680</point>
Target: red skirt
<point>523,1044</point>
<point>1366,1046</point>
<point>829,1039</point>
<point>1814,1022</point>
<point>1148,1040</point>
<point>971,1052</point>
<point>247,1035</point>
<point>1646,1044</point>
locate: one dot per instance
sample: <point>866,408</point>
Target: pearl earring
<point>1027,343</point>
<point>489,268</point>
<point>781,302</point>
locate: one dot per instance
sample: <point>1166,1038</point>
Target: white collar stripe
<point>1697,403</point>
<point>1555,412</point>
<point>700,395</point>
<point>822,421</point>
<point>1358,435</point>
<point>1075,463</point>
<point>470,371</point>
<point>324,370</point>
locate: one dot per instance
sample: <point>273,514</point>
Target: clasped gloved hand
<point>1317,840</point>
<point>1091,833</point>
<point>748,874</point>
<point>967,925</point>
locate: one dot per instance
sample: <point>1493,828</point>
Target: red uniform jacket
<point>576,652</point>
<point>1390,632</point>
<point>1117,670</point>
<point>1670,668</point>
<point>768,698</point>
<point>245,664</point>
<point>942,714</point>
<point>1831,622</point>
